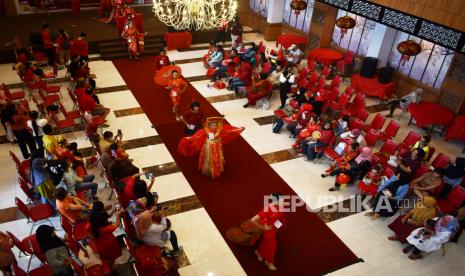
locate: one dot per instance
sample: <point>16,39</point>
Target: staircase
<point>115,48</point>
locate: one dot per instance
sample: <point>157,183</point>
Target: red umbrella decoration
<point>408,48</point>
<point>298,5</point>
<point>345,23</point>
<point>162,76</point>
<point>342,179</point>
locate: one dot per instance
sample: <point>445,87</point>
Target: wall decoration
<point>458,71</point>
<point>259,6</point>
<point>437,33</point>
<point>399,20</point>
<point>298,21</point>
<point>318,17</point>
<point>366,9</point>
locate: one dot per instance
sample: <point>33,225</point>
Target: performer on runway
<point>176,86</point>
<point>209,142</point>
<point>132,37</point>
<point>161,59</point>
<point>270,219</point>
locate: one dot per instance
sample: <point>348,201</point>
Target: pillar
<point>274,19</point>
<point>381,39</point>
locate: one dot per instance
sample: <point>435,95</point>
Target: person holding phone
<point>270,219</point>
<point>133,188</point>
<point>101,231</point>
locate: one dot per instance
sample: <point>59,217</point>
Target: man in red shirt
<point>47,44</point>
<point>87,103</point>
<point>193,119</point>
<point>161,60</point>
<point>81,47</point>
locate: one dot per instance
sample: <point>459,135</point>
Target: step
<point>126,55</point>
<point>121,44</point>
<point>117,41</point>
<point>154,47</point>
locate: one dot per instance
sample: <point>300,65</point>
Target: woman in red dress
<point>176,87</point>
<point>209,142</point>
<point>270,219</point>
<point>131,34</point>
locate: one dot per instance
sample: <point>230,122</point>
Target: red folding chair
<point>335,82</point>
<point>311,65</point>
<point>24,245</point>
<point>326,71</point>
<point>441,161</point>
<point>340,104</point>
<point>452,202</point>
<point>371,137</point>
<point>75,114</point>
<point>48,99</point>
<point>390,131</point>
<point>312,81</point>
<point>376,124</point>
<point>320,150</point>
<point>36,214</point>
<point>21,165</point>
<point>422,170</point>
<point>320,84</point>
<point>32,196</point>
<point>51,75</point>
<point>363,114</point>
<point>42,270</point>
<point>40,58</point>
<point>12,96</point>
<point>389,148</point>
<point>64,125</point>
<point>77,231</point>
<point>356,105</point>
<point>409,140</point>
<point>49,89</point>
<point>355,123</point>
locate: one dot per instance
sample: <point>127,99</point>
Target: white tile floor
<point>205,248</point>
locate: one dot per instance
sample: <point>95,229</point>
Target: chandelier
<point>194,14</point>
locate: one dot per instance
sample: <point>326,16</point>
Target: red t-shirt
<point>106,243</point>
<point>86,103</point>
<point>80,47</point>
<point>193,118</point>
<point>128,192</point>
<point>161,61</point>
<point>46,40</point>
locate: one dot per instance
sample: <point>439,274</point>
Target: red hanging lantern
<point>342,179</point>
<point>297,6</point>
<point>408,48</point>
<point>345,23</point>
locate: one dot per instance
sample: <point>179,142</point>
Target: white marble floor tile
<point>204,90</point>
<point>106,72</point>
<point>150,155</point>
<point>172,186</point>
<point>118,100</point>
<point>193,69</point>
<point>135,126</point>
<point>175,55</point>
<point>8,75</point>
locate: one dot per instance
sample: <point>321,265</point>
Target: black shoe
<point>245,105</point>
<point>333,189</point>
<point>323,175</point>
<point>389,116</point>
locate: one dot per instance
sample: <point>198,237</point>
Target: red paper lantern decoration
<point>298,5</point>
<point>408,48</point>
<point>345,23</point>
<point>342,179</point>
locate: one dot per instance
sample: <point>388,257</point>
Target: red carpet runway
<point>306,246</point>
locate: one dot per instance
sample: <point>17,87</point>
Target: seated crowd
<point>57,178</point>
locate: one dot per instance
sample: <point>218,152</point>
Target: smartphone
<point>83,244</point>
<point>117,207</point>
<point>113,153</point>
<point>147,175</point>
<point>119,133</point>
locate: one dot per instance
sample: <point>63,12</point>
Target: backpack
<point>277,125</point>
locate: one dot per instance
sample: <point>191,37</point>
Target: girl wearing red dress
<point>176,86</point>
<point>161,60</point>
<point>131,34</point>
<point>270,220</point>
<point>369,184</point>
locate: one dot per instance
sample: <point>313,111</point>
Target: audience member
<point>73,208</point>
<point>54,248</point>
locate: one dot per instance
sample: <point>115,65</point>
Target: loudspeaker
<point>385,74</point>
<point>369,67</point>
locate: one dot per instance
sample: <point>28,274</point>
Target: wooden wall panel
<point>447,12</point>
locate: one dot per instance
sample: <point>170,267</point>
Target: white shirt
<point>294,55</point>
<point>40,123</point>
<point>406,100</point>
<point>282,79</point>
<point>153,235</point>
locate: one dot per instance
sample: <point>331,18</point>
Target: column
<point>274,19</point>
<point>381,39</point>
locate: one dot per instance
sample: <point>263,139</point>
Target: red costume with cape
<point>209,142</point>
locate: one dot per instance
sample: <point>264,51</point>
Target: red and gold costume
<point>268,244</point>
<point>209,142</point>
<point>370,188</point>
<point>343,161</point>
